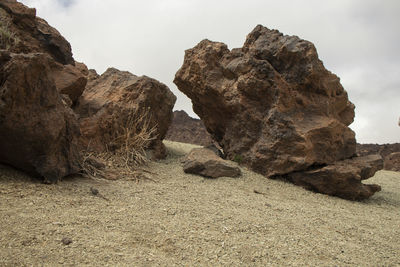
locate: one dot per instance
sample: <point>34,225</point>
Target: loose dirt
<point>186,220</point>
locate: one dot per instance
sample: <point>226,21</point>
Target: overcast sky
<point>359,40</point>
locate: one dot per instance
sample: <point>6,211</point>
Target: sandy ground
<point>187,220</point>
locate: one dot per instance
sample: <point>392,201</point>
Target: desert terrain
<point>178,219</point>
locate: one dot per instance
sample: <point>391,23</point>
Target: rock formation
<point>392,162</point>
<point>205,162</point>
<point>70,80</point>
<point>33,34</point>
<point>387,151</point>
<point>41,82</point>
<point>185,129</point>
<point>117,97</point>
<point>345,175</point>
<point>38,131</point>
<point>189,130</point>
<point>271,103</point>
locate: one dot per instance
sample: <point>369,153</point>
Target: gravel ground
<point>185,220</point>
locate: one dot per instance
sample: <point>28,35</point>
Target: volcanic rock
<point>205,162</point>
<point>387,151</point>
<point>271,103</point>
<point>118,97</point>
<point>38,133</point>
<point>343,178</point>
<point>70,80</point>
<point>392,162</point>
<point>32,33</point>
<point>185,129</point>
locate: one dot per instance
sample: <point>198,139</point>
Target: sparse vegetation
<point>134,136</point>
<point>7,37</point>
<point>130,142</point>
<point>238,158</point>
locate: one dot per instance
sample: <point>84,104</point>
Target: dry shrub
<point>133,136</point>
<point>127,152</point>
<point>7,37</point>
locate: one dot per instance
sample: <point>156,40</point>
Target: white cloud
<point>356,39</point>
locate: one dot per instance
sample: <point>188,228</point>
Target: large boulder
<point>185,129</point>
<point>270,103</point>
<point>205,162</point>
<point>39,82</point>
<point>110,100</point>
<point>38,132</point>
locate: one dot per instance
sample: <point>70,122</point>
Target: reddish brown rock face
<point>115,95</point>
<point>271,103</point>
<point>70,80</point>
<point>33,33</point>
<point>38,133</point>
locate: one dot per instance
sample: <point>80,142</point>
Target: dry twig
<point>130,142</point>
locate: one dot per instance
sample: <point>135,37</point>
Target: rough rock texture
<point>33,33</point>
<point>392,162</point>
<point>70,80</point>
<point>38,133</point>
<point>185,129</point>
<point>385,150</point>
<point>205,162</point>
<point>111,99</point>
<point>343,178</point>
<point>271,103</point>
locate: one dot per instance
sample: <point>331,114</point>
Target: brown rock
<point>385,150</point>
<point>110,100</point>
<point>392,162</point>
<point>343,178</point>
<point>205,162</point>
<point>66,241</point>
<point>70,80</point>
<point>271,103</point>
<point>32,33</point>
<point>185,129</point>
<point>38,133</point>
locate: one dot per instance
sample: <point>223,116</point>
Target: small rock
<point>94,191</point>
<point>205,162</point>
<point>66,241</point>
